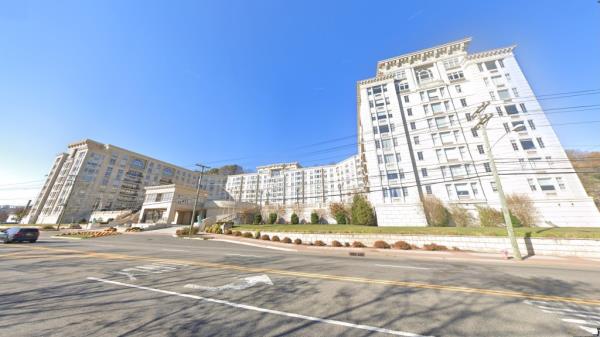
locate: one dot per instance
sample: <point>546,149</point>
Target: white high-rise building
<point>416,138</point>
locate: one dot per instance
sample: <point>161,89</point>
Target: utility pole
<point>202,168</point>
<point>483,120</point>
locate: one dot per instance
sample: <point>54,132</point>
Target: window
<point>377,144</point>
<point>405,191</point>
<point>409,111</point>
<point>490,65</point>
<point>432,94</point>
<point>401,173</point>
<point>457,170</point>
<point>546,184</point>
<point>531,124</point>
<point>486,81</point>
<point>446,137</point>
<point>492,95</point>
<point>451,63</point>
<point>540,142</point>
<point>511,109</point>
<point>480,149</point>
<point>426,109</point>
<point>392,175</point>
<point>501,63</point>
<point>463,102</point>
<point>515,92</point>
<point>475,189</point>
<point>413,126</point>
<point>379,159</point>
<point>436,107</point>
<point>493,185</point>
<point>384,129</point>
<point>458,88</point>
<point>487,167</point>
<point>424,172</point>
<point>468,117</point>
<point>452,153</point>
<point>462,191</point>
<point>428,189</point>
<point>424,75</point>
<point>532,185</point>
<point>497,80</point>
<point>503,94</point>
<point>519,126</point>
<point>441,122</point>
<point>514,145</point>
<point>420,155</point>
<point>527,144</point>
<point>386,144</point>
<point>506,128</point>
<point>455,76</point>
<point>416,140</point>
<point>422,94</point>
<point>523,108</point>
<point>480,67</point>
<point>402,86</point>
<point>499,111</point>
<point>388,158</point>
<point>167,171</point>
<point>561,183</point>
<point>474,132</point>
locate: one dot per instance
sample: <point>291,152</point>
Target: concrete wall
<point>534,246</point>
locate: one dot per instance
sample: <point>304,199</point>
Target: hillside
<point>588,166</point>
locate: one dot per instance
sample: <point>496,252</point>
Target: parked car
<point>3,236</point>
<point>18,234</point>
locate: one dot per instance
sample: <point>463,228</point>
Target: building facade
<point>417,138</point>
<point>92,176</point>
<point>293,188</point>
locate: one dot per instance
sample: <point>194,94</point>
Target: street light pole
<point>483,120</point>
<point>199,181</point>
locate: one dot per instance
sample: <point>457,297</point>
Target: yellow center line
<point>420,285</point>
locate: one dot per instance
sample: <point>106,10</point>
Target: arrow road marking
<point>242,284</point>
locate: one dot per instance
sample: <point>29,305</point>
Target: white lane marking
<point>589,317</point>
<point>173,250</point>
<point>259,309</point>
<point>129,275</point>
<point>244,255</point>
<point>242,284</point>
<point>256,245</point>
<point>400,266</point>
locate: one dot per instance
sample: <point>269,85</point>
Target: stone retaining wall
<point>533,246</point>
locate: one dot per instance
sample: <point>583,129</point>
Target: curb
<point>65,237</point>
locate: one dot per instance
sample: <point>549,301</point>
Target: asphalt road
<point>147,285</point>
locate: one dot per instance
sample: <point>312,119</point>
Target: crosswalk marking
<point>586,320</point>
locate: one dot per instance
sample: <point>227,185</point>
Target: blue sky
<point>202,81</point>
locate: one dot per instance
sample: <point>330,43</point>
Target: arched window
<point>424,75</point>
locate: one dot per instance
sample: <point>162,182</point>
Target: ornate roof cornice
<point>425,54</point>
<point>493,52</point>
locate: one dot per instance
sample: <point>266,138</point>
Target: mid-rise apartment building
<point>417,137</point>
<point>92,176</point>
<point>291,186</point>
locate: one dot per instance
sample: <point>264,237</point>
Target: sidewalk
<point>463,256</point>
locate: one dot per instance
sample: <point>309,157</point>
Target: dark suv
<point>18,234</point>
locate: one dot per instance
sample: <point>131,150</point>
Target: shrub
<point>286,240</point>
<point>381,244</point>
<point>340,219</point>
<point>247,235</point>
<point>298,241</point>
<point>433,246</point>
<point>257,235</point>
<point>314,218</point>
<point>257,219</point>
<point>489,217</point>
<point>133,229</point>
<point>275,238</point>
<point>237,233</point>
<point>75,226</point>
<point>320,243</point>
<point>521,207</point>
<point>186,231</point>
<point>339,212</point>
<point>461,216</point>
<point>346,244</point>
<point>265,237</point>
<point>362,212</point>
<point>358,244</point>
<point>403,245</point>
<point>437,215</point>
<point>336,243</point>
<point>47,228</point>
<point>294,219</point>
<point>228,232</point>
<point>272,218</point>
